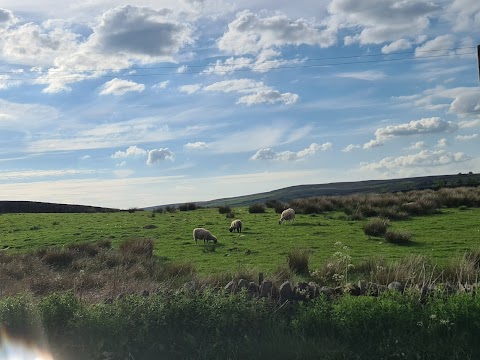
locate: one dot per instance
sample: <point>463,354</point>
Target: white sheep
<point>203,234</point>
<point>288,214</point>
<point>236,225</point>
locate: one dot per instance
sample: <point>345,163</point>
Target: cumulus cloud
<point>443,43</point>
<point>418,145</point>
<point>422,126</point>
<point>405,19</point>
<point>32,44</point>
<point>269,154</point>
<point>467,137</point>
<point>256,92</point>
<point>422,159</point>
<point>161,85</point>
<point>123,36</point>
<point>199,145</point>
<point>121,87</point>
<point>7,19</point>
<point>190,89</point>
<point>132,151</point>
<point>140,31</point>
<point>441,143</point>
<point>369,75</point>
<point>372,144</point>
<point>249,33</point>
<point>351,147</point>
<point>462,101</point>
<point>397,45</point>
<point>158,155</point>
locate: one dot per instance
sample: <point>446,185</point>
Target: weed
<point>256,208</point>
<point>398,237</point>
<point>297,260</point>
<point>137,246</point>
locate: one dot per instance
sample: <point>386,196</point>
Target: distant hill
<point>343,188</point>
<point>43,207</point>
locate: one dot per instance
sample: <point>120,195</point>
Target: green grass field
<point>263,244</point>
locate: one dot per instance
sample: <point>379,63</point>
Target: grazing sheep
<point>288,214</point>
<point>203,234</point>
<point>236,225</point>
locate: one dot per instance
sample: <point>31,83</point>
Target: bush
<point>87,249</point>
<point>58,258</point>
<point>188,207</point>
<point>170,209</point>
<point>230,215</point>
<point>376,226</point>
<point>224,209</point>
<point>273,203</point>
<point>256,209</point>
<point>297,260</point>
<point>137,246</point>
<point>398,237</point>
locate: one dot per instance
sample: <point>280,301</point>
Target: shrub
<point>256,208</point>
<point>87,249</point>
<point>230,215</point>
<point>224,209</point>
<point>188,207</point>
<point>376,226</point>
<point>58,258</point>
<point>273,203</point>
<point>170,209</point>
<point>398,237</point>
<point>137,246</point>
<point>297,260</point>
<point>104,244</point>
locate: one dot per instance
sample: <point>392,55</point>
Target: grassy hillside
<point>345,188</point>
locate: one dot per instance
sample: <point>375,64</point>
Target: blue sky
<point>144,103</point>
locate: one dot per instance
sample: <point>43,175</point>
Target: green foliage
<point>376,226</point>
<point>224,209</point>
<point>230,215</point>
<point>187,207</point>
<point>297,260</point>
<point>256,209</point>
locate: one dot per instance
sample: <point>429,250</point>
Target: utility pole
<point>478,58</point>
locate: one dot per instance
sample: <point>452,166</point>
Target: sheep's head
<point>231,229</point>
<point>215,240</point>
<point>280,222</point>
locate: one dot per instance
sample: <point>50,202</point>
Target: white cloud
<point>422,126</point>
<point>443,43</point>
<point>158,155</point>
<point>258,93</point>
<point>249,33</point>
<point>372,144</point>
<point>467,137</point>
<point>465,14</point>
<point>139,31</point>
<point>418,145</point>
<point>121,87</point>
<point>369,75</point>
<point>351,147</point>
<point>381,21</point>
<point>132,151</point>
<point>161,85</point>
<point>422,159</point>
<point>441,143</point>
<point>122,164</point>
<point>269,154</point>
<point>397,45</point>
<point>182,69</point>
<point>268,96</point>
<point>85,157</point>
<point>190,89</point>
<point>32,44</point>
<point>199,145</point>
<point>7,19</point>
<point>467,124</point>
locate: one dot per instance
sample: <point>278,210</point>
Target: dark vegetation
<point>256,208</point>
<point>42,207</point>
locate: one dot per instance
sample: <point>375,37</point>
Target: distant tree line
<point>42,207</point>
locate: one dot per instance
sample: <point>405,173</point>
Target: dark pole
<point>478,57</point>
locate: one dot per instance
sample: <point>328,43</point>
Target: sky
<point>153,102</point>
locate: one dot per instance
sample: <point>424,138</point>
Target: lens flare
<point>16,349</point>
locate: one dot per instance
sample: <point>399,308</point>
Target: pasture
<point>263,244</point>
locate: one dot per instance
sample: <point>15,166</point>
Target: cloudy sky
<point>153,102</point>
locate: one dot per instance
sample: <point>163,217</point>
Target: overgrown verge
<point>213,325</point>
